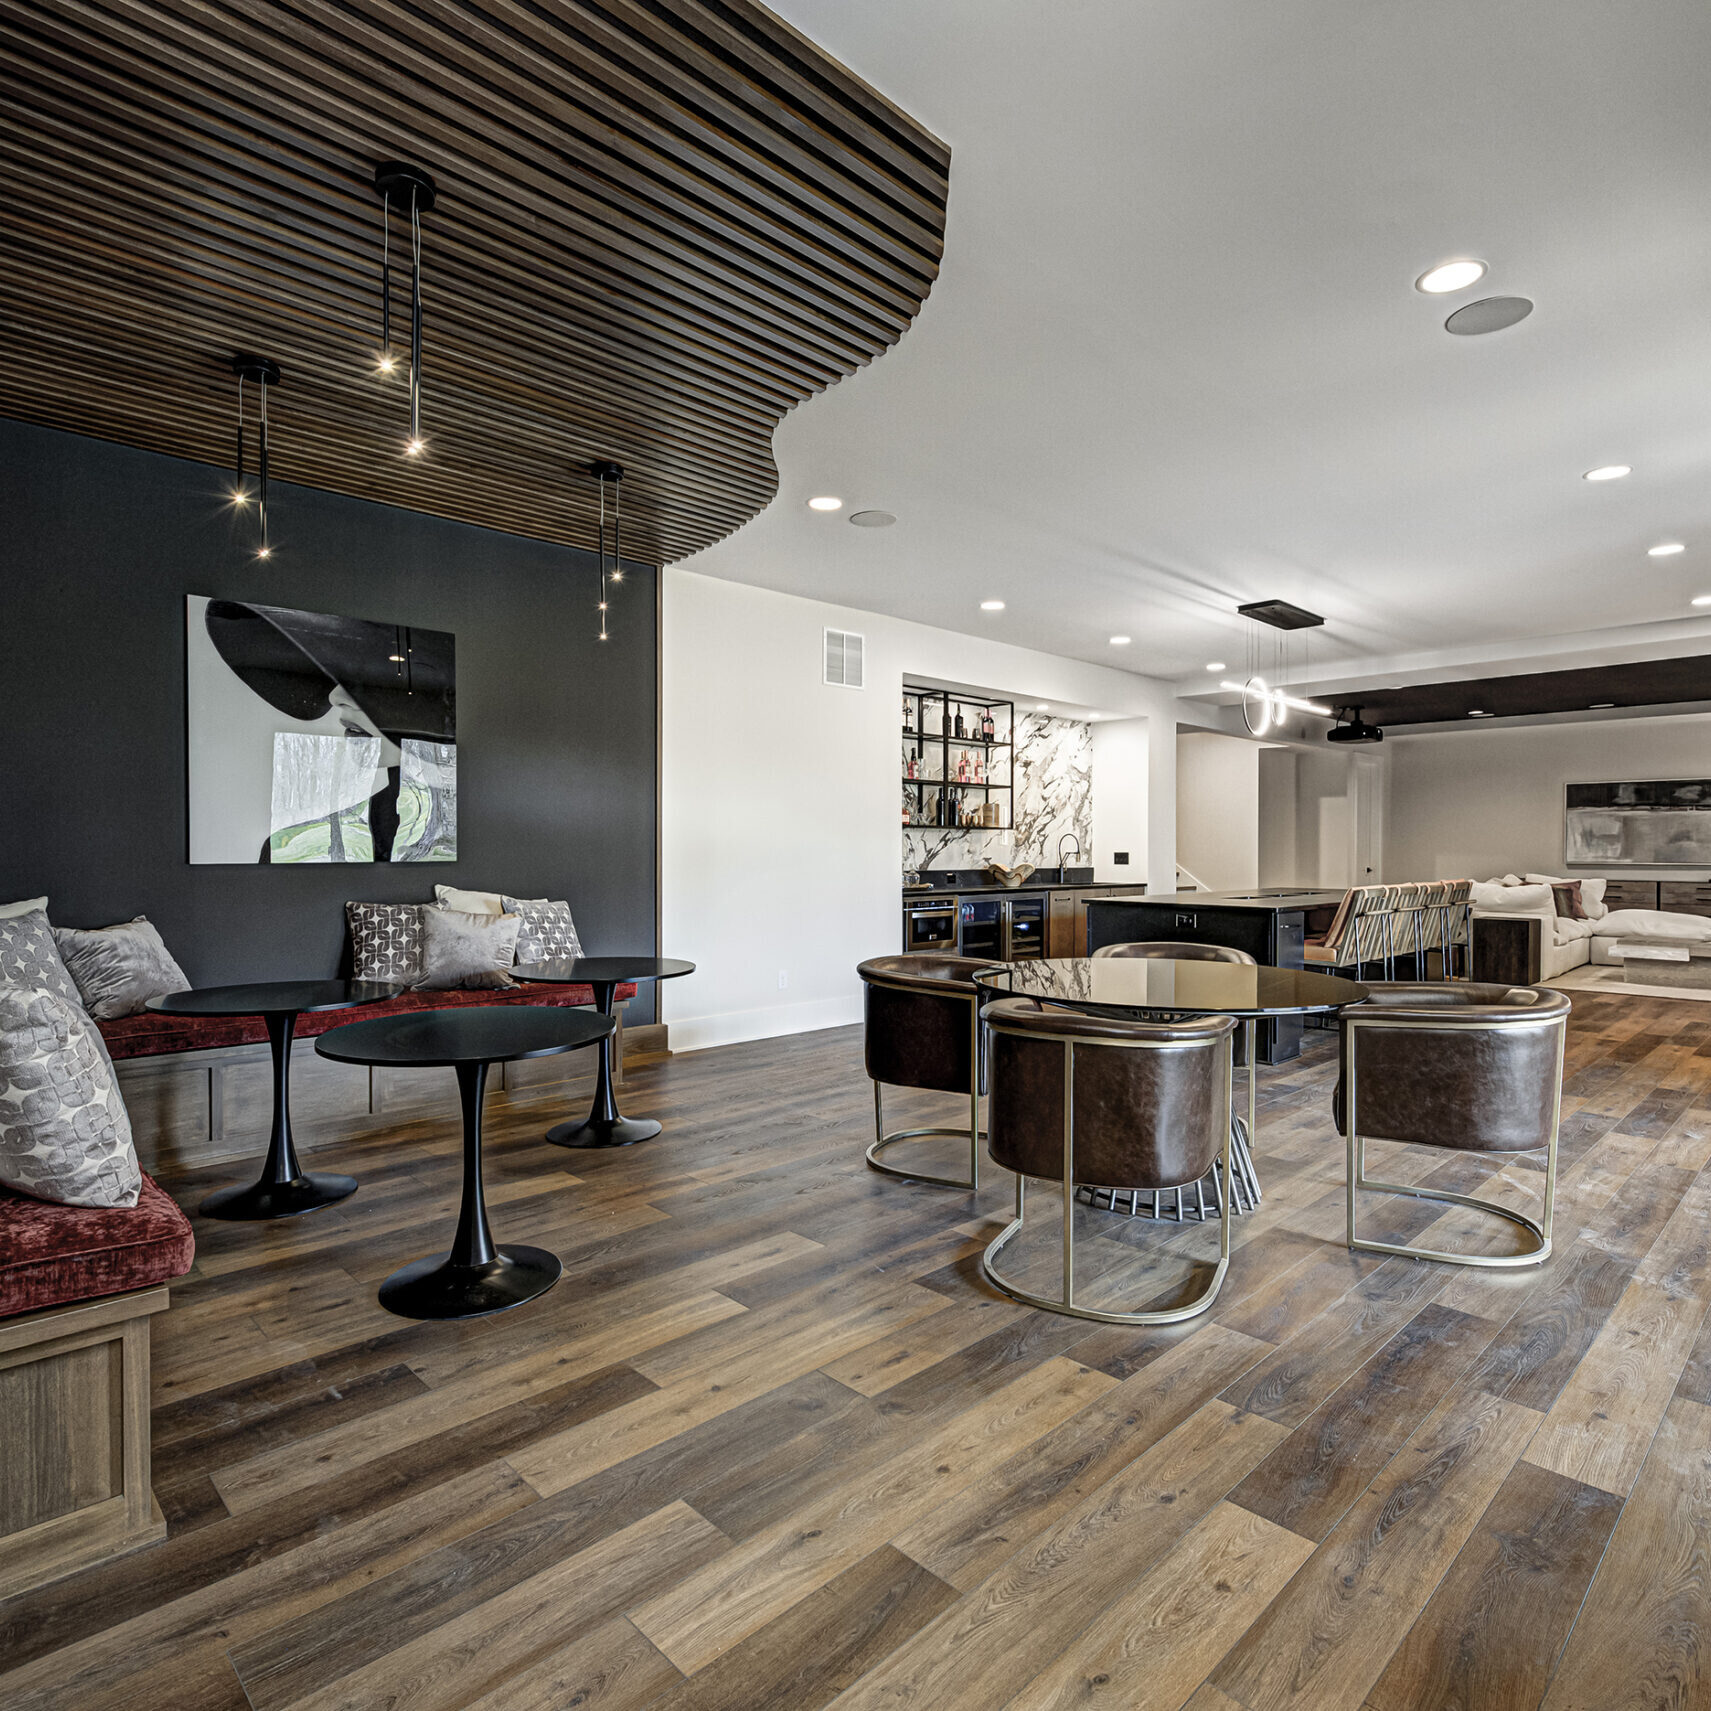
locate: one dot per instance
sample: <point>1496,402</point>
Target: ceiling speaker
<point>1489,315</point>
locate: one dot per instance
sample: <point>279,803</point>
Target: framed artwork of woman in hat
<point>315,738</point>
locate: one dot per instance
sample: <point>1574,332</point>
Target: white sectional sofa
<point>1565,943</point>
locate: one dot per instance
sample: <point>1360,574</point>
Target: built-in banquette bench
<point>77,1290</point>
<point>201,1090</point>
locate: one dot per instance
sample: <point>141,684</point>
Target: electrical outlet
<point>783,979</point>
<point>1120,858</point>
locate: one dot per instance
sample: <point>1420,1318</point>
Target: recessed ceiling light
<point>825,502</point>
<point>1094,718</point>
<point>1702,599</point>
<point>1450,276</point>
<point>1600,706</point>
<point>1120,641</point>
<point>1478,713</point>
<point>1666,549</point>
<point>1608,472</point>
<point>1040,706</point>
<point>992,605</point>
<point>1216,665</point>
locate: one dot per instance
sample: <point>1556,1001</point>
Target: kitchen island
<point>1270,925</point>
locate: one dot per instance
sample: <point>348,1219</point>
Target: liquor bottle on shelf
<point>908,714</point>
<point>987,729</point>
<point>945,720</point>
<point>959,730</point>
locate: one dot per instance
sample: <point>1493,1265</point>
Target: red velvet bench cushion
<point>152,1035</point>
<point>51,1255</point>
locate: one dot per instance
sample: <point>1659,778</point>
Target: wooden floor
<point>772,1444</point>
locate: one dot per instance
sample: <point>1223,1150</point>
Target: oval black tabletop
<point>593,970</point>
<point>275,997</point>
<point>488,1033</point>
<point>1141,983</point>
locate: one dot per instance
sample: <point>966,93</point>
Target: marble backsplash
<point>1054,795</point>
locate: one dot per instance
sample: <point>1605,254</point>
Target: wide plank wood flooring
<point>772,1445</point>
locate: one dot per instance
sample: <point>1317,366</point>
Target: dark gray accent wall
<point>99,545</point>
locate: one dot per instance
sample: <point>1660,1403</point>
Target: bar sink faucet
<point>1067,838</point>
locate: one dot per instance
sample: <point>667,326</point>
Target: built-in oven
<point>930,924</point>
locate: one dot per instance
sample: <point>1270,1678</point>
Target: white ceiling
<point>1175,360</point>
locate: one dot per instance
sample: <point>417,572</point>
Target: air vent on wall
<point>844,659</point>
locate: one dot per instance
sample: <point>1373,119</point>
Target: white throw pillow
<point>65,1135</point>
<point>469,902</point>
<point>1499,899</point>
<point>8,910</point>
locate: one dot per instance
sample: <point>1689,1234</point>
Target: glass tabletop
<point>1185,988</point>
<point>275,998</point>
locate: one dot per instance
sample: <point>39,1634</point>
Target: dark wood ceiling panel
<point>661,225</point>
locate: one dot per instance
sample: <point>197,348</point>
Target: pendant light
<point>609,475</point>
<point>260,372</point>
<point>409,192</point>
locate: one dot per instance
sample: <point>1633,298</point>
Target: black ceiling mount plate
<point>259,368</point>
<point>394,180</point>
<point>1280,614</point>
<point>604,469</point>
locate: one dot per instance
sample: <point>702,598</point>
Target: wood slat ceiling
<point>661,224</point>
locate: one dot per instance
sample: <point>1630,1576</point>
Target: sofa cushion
<point>119,969</point>
<point>1651,924</point>
<point>1498,899</point>
<point>29,956</point>
<point>1591,891</point>
<point>65,1135</point>
<point>386,941</point>
<point>150,1035</point>
<point>52,1255</point>
<point>547,933</point>
<point>1568,931</point>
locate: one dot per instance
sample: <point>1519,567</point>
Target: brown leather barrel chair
<point>923,1030</point>
<point>1090,1101</point>
<point>1467,1066</point>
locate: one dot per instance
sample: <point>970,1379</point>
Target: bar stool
<point>1246,1179</point>
<point>1101,1102</point>
<point>923,1030</point>
<point>1470,1067</point>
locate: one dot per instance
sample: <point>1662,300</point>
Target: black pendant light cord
<point>415,320</point>
<point>385,280</point>
<point>602,558</point>
<point>263,550</point>
<point>238,491</point>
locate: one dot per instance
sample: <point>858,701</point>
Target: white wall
<point>1121,801</point>
<point>1217,810</point>
<point>1477,803</point>
<point>779,795</point>
<point>1277,815</point>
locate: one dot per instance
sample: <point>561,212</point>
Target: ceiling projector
<point>1351,728</point>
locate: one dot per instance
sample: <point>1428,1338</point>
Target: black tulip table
<point>473,1276</point>
<point>285,1188</point>
<point>605,1125</point>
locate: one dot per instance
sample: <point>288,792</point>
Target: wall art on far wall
<point>1656,822</point>
<point>314,738</point>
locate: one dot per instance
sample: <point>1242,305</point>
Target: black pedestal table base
<point>605,1125</point>
<point>473,1276</point>
<point>285,1188</point>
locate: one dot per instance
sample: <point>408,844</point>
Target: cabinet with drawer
<point>1685,896</point>
<point>1631,894</point>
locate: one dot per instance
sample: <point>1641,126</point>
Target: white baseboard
<point>698,1033</point>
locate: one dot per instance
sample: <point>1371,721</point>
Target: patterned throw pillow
<point>119,969</point>
<point>65,1135</point>
<point>29,957</point>
<point>463,951</point>
<point>1568,902</point>
<point>547,933</point>
<point>386,941</point>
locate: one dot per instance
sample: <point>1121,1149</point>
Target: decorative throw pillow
<point>548,934</point>
<point>1567,895</point>
<point>119,969</point>
<point>386,941</point>
<point>464,950</point>
<point>29,957</point>
<point>469,902</point>
<point>65,1135</point>
<point>27,907</point>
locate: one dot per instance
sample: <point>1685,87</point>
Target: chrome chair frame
<point>974,1133</point>
<point>1356,1170</point>
<point>1066,1303</point>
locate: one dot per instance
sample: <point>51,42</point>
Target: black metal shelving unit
<point>934,713</point>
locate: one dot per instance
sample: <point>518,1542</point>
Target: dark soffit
<point>661,225</point>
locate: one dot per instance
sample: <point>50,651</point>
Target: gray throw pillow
<point>29,957</point>
<point>119,969</point>
<point>547,934</point>
<point>469,951</point>
<point>386,941</point>
<point>65,1135</point>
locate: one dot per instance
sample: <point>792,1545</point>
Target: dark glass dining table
<point>1162,989</point>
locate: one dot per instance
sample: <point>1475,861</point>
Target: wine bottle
<point>959,730</point>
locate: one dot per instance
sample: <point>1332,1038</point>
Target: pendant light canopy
<point>259,372</point>
<point>611,478</point>
<point>409,192</point>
